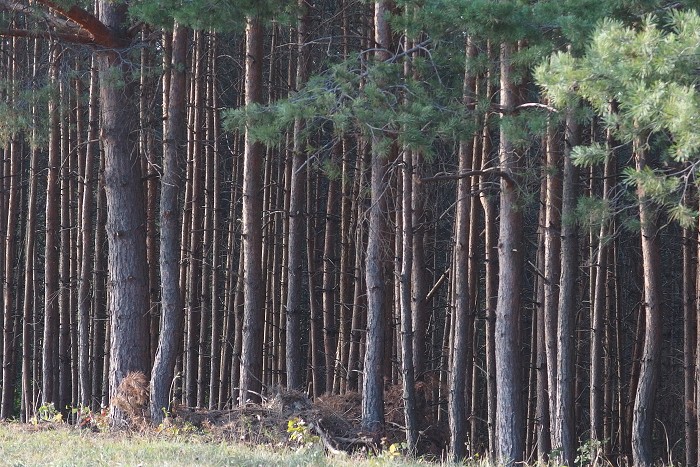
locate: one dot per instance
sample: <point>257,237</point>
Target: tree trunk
<point>126,219</point>
<point>463,318</point>
<point>171,306</point>
<point>372,383</point>
<point>86,227</point>
<point>489,205</point>
<point>29,305</point>
<point>509,419</point>
<point>564,434</point>
<point>253,314</point>
<point>552,268</point>
<point>51,288</point>
<point>293,310</point>
<point>649,371</point>
<point>10,304</point>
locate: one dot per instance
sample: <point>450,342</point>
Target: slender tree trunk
<point>509,419</point>
<point>489,204</point>
<point>564,435</point>
<point>253,318</point>
<point>216,274</point>
<point>689,347</point>
<point>296,223</point>
<point>10,304</point>
<point>171,306</point>
<point>86,226</point>
<point>330,329</point>
<point>195,271</point>
<point>552,267</point>
<point>543,414</point>
<point>463,318</point>
<point>64,386</point>
<point>650,364</point>
<point>28,324</point>
<point>51,288</point>
<point>407,369</point>
<point>372,383</point>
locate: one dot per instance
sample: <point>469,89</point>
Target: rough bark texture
<point>87,230</point>
<point>296,226</point>
<point>407,368</point>
<point>50,347</point>
<point>126,218</point>
<point>253,281</point>
<point>463,319</point>
<point>564,436</point>
<point>509,418</point>
<point>171,306</point>
<point>643,419</point>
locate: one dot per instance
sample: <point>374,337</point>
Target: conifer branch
<point>100,33</point>
<point>457,176</point>
<point>33,34</point>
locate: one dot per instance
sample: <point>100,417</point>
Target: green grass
<point>60,445</point>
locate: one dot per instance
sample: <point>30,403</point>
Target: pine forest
<point>476,218</point>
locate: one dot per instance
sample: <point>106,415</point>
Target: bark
<point>689,346</point>
<point>29,305</point>
<point>66,247</point>
<point>489,205</point>
<point>330,330</point>
<point>87,229</point>
<point>407,368</point>
<point>643,420</point>
<point>126,219</point>
<point>51,288</point>
<point>10,305</point>
<point>463,317</point>
<point>194,271</point>
<point>171,306</point>
<point>509,419</point>
<point>293,307</point>
<point>372,383</point>
<point>552,267</point>
<point>209,239</point>
<point>216,273</point>
<point>543,413</point>
<point>564,435</point>
<point>252,352</point>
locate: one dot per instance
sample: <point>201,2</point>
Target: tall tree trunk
<point>689,347</point>
<point>650,363</point>
<point>509,419</point>
<point>489,205</point>
<point>552,267</point>
<point>296,222</point>
<point>64,341</point>
<point>406,268</point>
<point>194,272</point>
<point>564,435</point>
<point>29,305</point>
<point>463,318</point>
<point>253,314</point>
<point>126,219</point>
<point>171,306</point>
<point>10,304</point>
<point>86,228</point>
<point>51,288</point>
<point>372,383</point>
<point>330,330</point>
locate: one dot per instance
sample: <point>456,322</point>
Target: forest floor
<point>66,445</point>
<point>287,429</point>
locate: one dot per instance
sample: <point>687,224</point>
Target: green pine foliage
<point>649,73</point>
<point>218,15</point>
